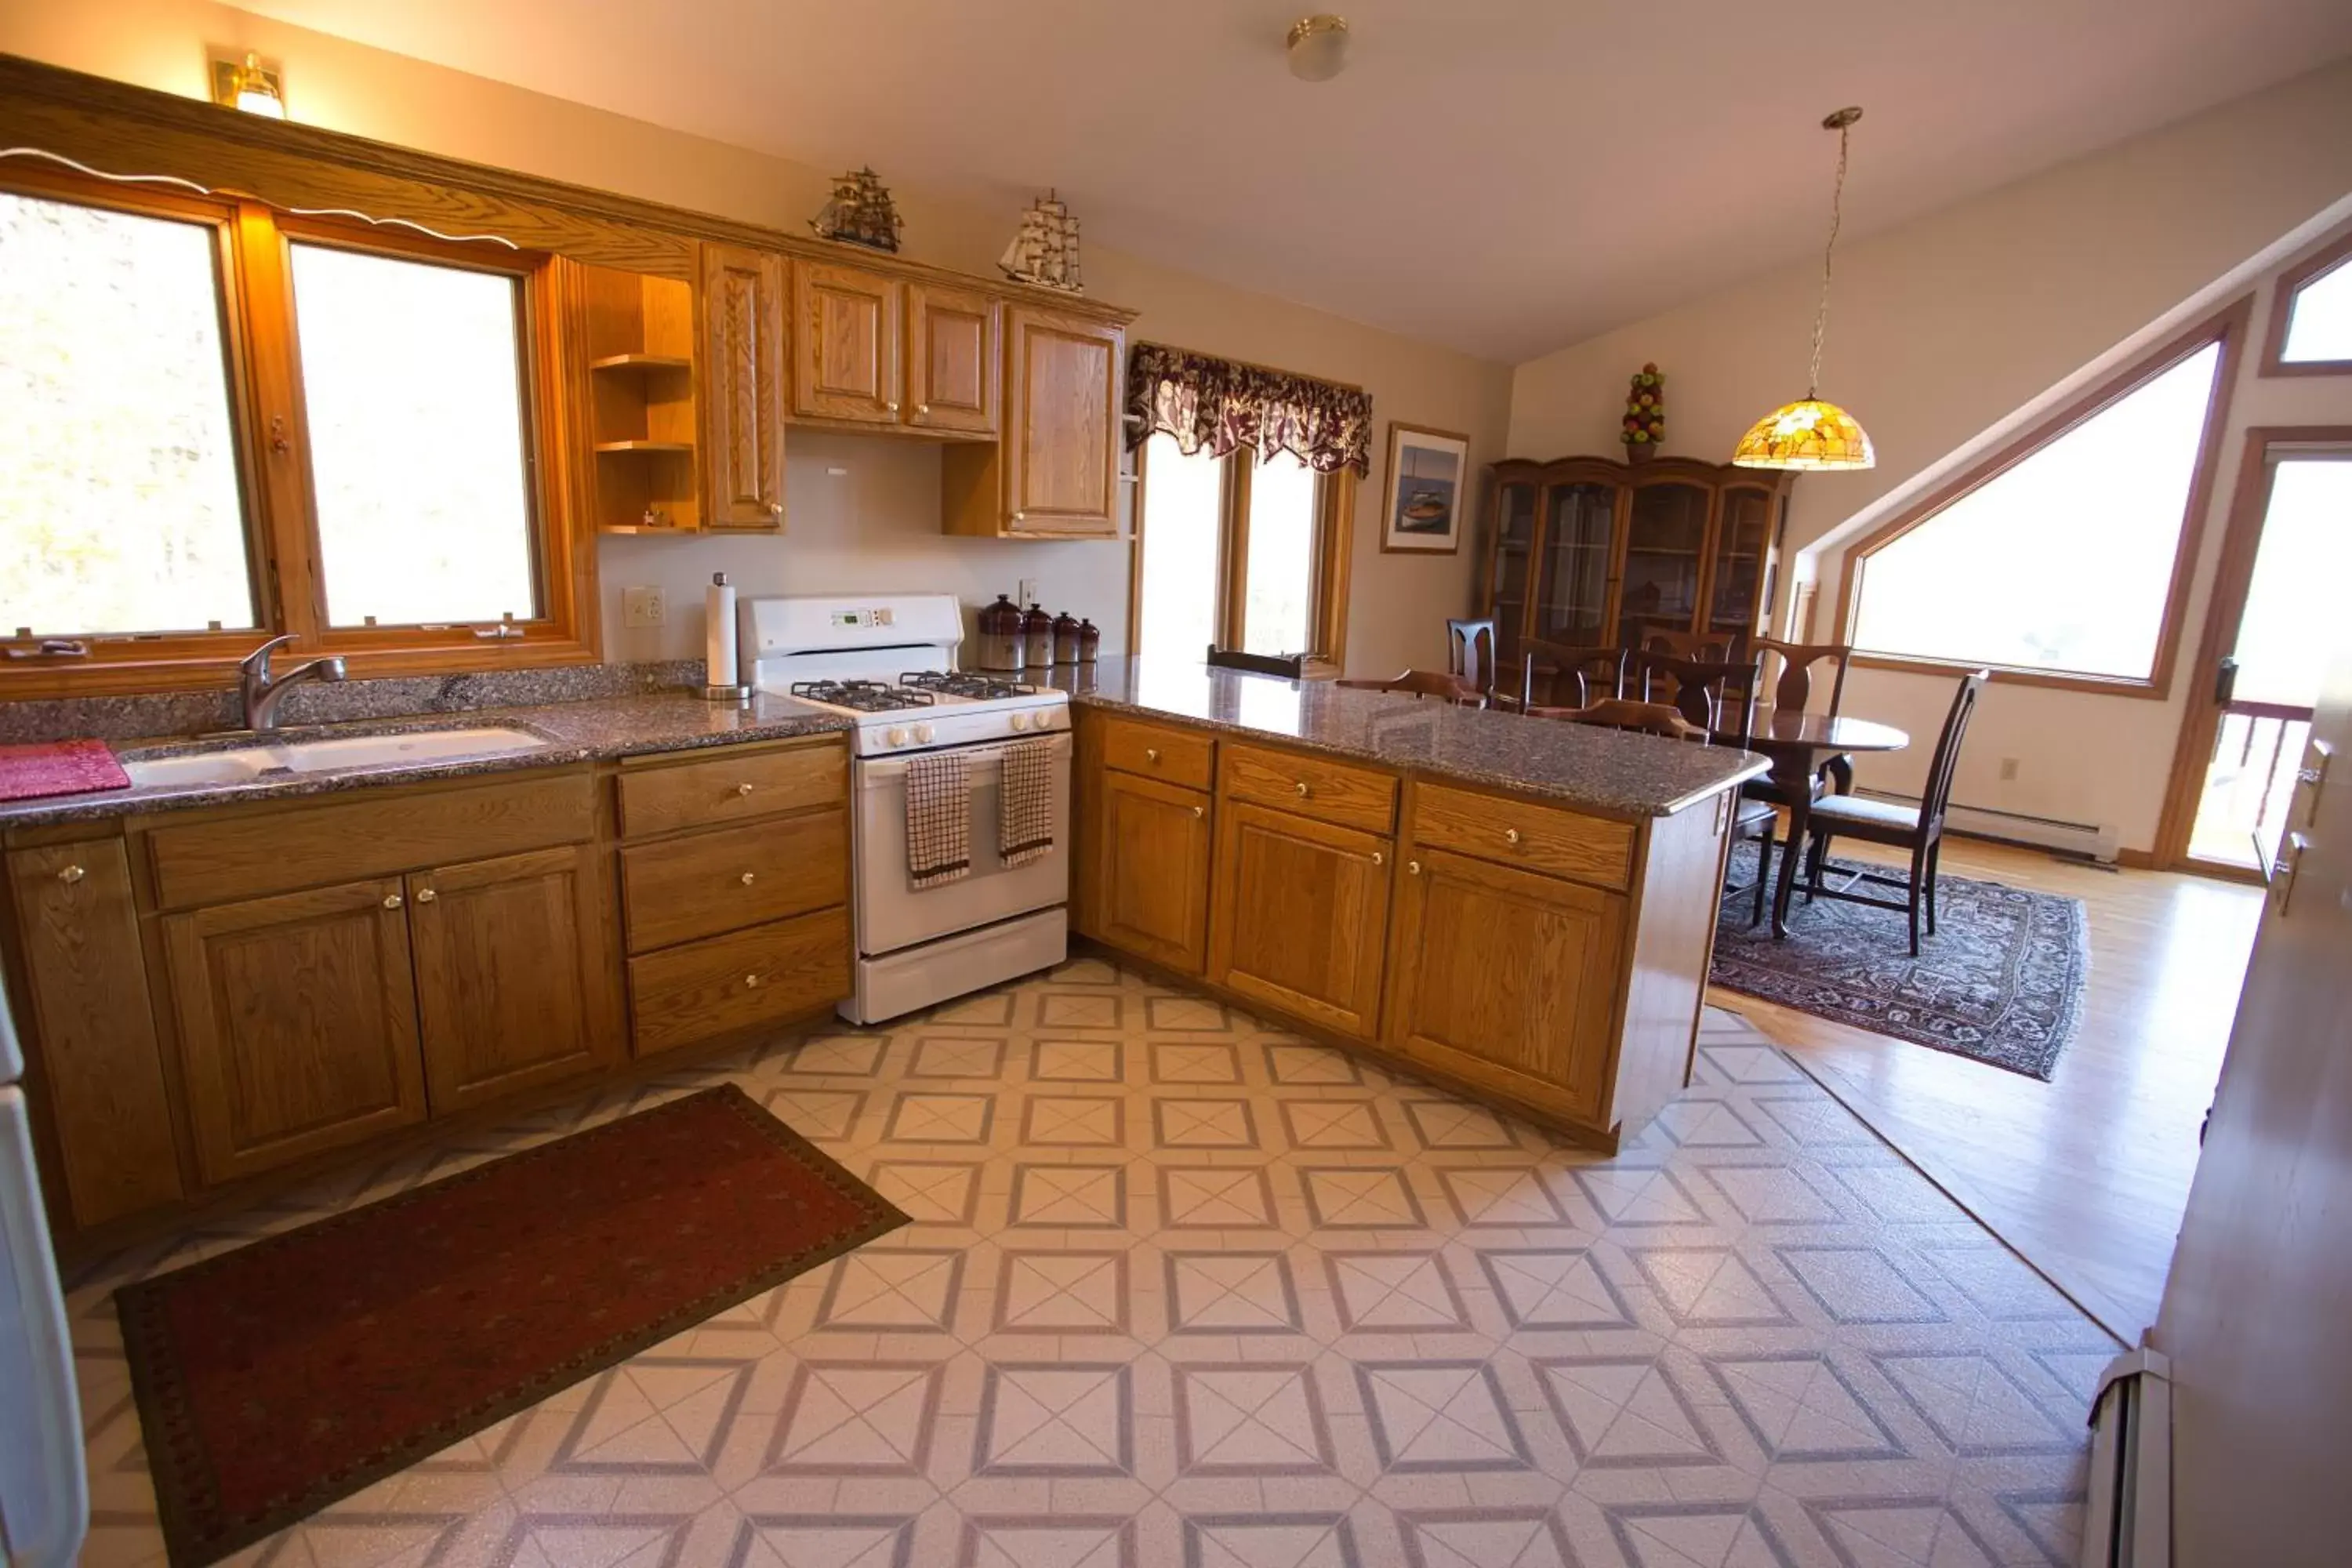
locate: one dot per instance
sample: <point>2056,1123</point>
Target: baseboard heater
<point>2083,839</point>
<point>2129,1521</point>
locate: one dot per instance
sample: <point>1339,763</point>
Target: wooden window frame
<point>2327,259</point>
<point>2227,328</point>
<point>268,417</point>
<point>1335,511</point>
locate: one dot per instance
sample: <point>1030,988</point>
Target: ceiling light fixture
<point>249,84</point>
<point>1811,433</point>
<point>1318,47</point>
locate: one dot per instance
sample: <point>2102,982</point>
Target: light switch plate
<point>642,608</point>
<point>1028,591</point>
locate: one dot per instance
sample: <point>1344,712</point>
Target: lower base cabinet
<point>765,974</point>
<point>1506,979</point>
<point>1301,916</point>
<point>515,974</point>
<point>1152,849</point>
<point>298,1024</point>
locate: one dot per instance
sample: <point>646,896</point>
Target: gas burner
<point>861,696</point>
<point>963,683</point>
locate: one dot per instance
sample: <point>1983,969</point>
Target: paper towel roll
<point>719,632</point>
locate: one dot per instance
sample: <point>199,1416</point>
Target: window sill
<point>32,679</point>
<point>2010,675</point>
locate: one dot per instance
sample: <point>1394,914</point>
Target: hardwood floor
<point>2086,1175</point>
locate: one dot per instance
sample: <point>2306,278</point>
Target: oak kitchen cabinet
<point>1551,957</point>
<point>846,325</point>
<point>953,350</point>
<point>743,368</point>
<point>216,997</point>
<point>1053,473</point>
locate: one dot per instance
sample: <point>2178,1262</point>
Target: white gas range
<point>887,663</point>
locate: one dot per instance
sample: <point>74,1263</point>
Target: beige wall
<point>1940,331</point>
<point>875,525</point>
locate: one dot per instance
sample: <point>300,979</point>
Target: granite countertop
<point>1595,769</point>
<point>617,726</point>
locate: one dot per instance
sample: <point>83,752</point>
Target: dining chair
<point>1422,683</point>
<point>1717,694</point>
<point>1792,692</point>
<point>1470,652</point>
<point>1590,673</point>
<point>1712,646</point>
<point>1918,828</point>
<point>1658,719</point>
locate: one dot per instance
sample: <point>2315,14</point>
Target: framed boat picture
<point>1427,475</point>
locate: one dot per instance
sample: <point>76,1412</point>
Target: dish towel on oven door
<point>939,817</point>
<point>1024,822</point>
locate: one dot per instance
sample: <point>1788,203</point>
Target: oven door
<point>892,912</point>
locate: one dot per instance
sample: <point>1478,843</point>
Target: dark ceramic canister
<point>1037,637</point>
<point>1089,641</point>
<point>1065,638</point>
<point>1000,635</point>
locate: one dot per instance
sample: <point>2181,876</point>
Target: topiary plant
<point>1645,412</point>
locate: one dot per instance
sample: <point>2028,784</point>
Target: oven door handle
<point>878,768</point>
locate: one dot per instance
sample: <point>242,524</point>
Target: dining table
<point>1800,745</point>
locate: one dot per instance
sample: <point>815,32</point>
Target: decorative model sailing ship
<point>1046,250</point>
<point>860,212</point>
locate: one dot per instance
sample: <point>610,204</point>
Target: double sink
<point>326,754</point>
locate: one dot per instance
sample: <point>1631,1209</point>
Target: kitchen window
<point>230,422</point>
<point>1239,553</point>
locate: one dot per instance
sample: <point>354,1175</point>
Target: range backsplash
<point>146,715</point>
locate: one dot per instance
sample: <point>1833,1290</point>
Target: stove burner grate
<point>963,683</point>
<point>861,696</point>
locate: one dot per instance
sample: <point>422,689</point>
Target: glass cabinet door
<point>1665,536</point>
<point>1514,533</point>
<point>1742,540</point>
<point>1572,578</point>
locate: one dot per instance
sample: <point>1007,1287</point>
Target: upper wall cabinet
<point>845,357</point>
<point>952,354</point>
<point>1054,473</point>
<point>743,372</point>
<point>634,348</point>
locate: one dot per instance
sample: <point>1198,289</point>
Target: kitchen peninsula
<point>1522,908</point>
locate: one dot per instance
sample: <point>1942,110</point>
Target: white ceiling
<point>1505,176</point>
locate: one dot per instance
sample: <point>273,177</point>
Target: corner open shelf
<point>639,339</point>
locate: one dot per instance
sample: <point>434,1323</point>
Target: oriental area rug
<point>274,1379</point>
<point>2000,981</point>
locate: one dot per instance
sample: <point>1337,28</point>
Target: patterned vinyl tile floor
<point>1185,1290</point>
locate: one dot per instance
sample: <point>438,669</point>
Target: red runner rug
<point>275,1379</point>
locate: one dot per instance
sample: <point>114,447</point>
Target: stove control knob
<point>1021,721</point>
<point>896,737</point>
<point>923,734</point>
<point>1044,720</point>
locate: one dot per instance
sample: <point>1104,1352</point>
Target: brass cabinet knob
<point>748,877</point>
<point>751,981</point>
<point>1412,868</point>
<point>893,407</point>
<point>1302,789</point>
<point>742,789</point>
<point>71,875</point>
<point>1150,754</point>
<point>1378,859</point>
<point>1511,835</point>
<point>391,900</point>
<point>775,508</point>
<point>1020,517</point>
<point>1200,811</point>
<point>425,895</point>
<point>923,408</point>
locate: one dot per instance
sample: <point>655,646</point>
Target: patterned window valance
<point>1220,403</point>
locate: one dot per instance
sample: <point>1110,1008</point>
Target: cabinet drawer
<point>270,848</point>
<point>767,974</point>
<point>1334,792</point>
<point>705,883</point>
<point>735,786</point>
<point>1533,837</point>
<point>1157,752</point>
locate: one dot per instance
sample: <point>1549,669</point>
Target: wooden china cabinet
<point>1590,552</point>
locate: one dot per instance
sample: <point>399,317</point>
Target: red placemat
<point>58,767</point>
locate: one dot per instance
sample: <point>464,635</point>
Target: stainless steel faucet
<point>263,688</point>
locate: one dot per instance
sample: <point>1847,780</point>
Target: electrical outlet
<point>1028,593</point>
<point>2008,770</point>
<point>642,608</point>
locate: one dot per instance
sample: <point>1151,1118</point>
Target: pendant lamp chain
<point>1843,124</point>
